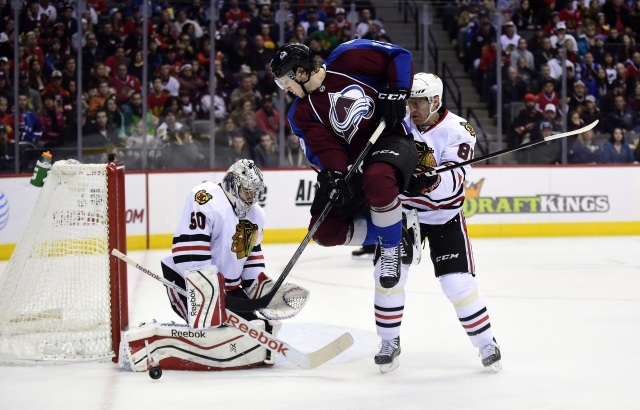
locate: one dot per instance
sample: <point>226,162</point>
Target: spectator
<point>264,154</point>
<point>556,65</point>
<point>572,16</point>
<point>186,108</point>
<point>524,17</point>
<point>97,100</point>
<point>616,150</point>
<point>626,49</point>
<point>29,128</point>
<point>545,54</point>
<point>182,20</point>
<point>137,66</point>
<point>108,40</point>
<point>97,75</point>
<point>225,133</point>
<point>34,103</point>
<point>561,37</point>
<point>548,152</point>
<point>524,123</point>
<point>240,54</point>
<point>602,87</point>
<point>169,126</point>
<point>547,96</point>
<point>169,82</point>
<point>98,133</point>
<point>183,152</point>
<point>509,40</point>
<point>587,39</point>
<point>69,71</point>
<point>633,67</point>
<point>527,74</point>
<point>237,151</point>
<point>622,117</point>
<point>591,112</point>
<point>362,26</point>
<point>4,106</point>
<point>633,101</point>
<point>115,118</point>
<point>265,17</point>
<point>235,15</point>
<point>112,62</point>
<point>584,150</point>
<point>249,129</point>
<point>577,98</point>
<point>63,98</point>
<point>188,82</point>
<point>521,51</point>
<point>589,72</point>
<point>550,115</point>
<point>157,99</point>
<point>37,79</point>
<point>133,114</point>
<point>267,118</point>
<point>52,122</point>
<point>247,90</point>
<point>54,55</point>
<point>610,67</point>
<point>136,139</point>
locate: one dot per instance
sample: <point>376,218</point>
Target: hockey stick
<point>508,150</point>
<point>303,360</point>
<point>263,301</point>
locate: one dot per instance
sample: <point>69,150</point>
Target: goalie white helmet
<point>243,184</point>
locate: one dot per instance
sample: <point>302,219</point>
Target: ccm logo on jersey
<point>263,339</point>
<point>446,257</point>
<point>385,151</point>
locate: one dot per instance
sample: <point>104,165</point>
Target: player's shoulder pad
<point>203,193</point>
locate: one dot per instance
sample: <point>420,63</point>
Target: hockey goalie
<point>216,252</point>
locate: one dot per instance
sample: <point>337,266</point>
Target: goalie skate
<point>387,357</point>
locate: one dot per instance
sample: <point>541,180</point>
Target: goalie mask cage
<point>63,297</point>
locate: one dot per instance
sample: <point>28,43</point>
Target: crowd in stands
<point>600,41</point>
<point>177,71</point>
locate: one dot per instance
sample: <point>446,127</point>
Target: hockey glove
<point>392,105</point>
<point>331,184</point>
<point>421,183</point>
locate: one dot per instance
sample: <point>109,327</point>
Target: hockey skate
<point>364,252</point>
<point>490,355</point>
<point>389,266</point>
<point>387,357</point>
<point>411,249</point>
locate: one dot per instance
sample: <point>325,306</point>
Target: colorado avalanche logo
<point>348,108</point>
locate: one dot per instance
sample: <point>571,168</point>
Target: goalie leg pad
<point>179,347</point>
<point>286,303</point>
<point>205,297</point>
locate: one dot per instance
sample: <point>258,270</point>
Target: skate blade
<point>495,367</point>
<point>389,367</point>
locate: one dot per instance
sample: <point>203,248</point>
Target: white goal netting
<point>55,301</point>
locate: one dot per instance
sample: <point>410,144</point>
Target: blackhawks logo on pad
<point>202,197</point>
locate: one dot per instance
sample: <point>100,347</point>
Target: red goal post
<point>63,297</point>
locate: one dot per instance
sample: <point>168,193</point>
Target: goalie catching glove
<point>286,303</point>
<point>421,182</point>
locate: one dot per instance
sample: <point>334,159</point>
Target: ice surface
<point>565,311</point>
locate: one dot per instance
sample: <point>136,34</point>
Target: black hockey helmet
<point>289,57</point>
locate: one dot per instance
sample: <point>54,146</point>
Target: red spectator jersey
<point>336,121</point>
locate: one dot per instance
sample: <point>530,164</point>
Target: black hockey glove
<point>421,183</point>
<point>392,105</point>
<point>331,185</point>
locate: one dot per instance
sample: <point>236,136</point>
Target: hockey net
<point>62,296</point>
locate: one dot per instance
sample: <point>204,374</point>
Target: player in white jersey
<point>219,232</point>
<point>443,138</point>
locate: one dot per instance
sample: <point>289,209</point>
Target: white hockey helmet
<point>243,185</point>
<point>426,85</point>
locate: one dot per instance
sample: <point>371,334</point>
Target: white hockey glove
<point>286,303</point>
<point>205,297</point>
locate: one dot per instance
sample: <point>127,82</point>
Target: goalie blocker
<point>174,346</point>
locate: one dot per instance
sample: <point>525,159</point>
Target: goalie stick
<point>508,150</point>
<point>300,359</point>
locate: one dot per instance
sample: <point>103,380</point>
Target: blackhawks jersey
<point>450,140</point>
<point>336,120</point>
<point>210,233</point>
